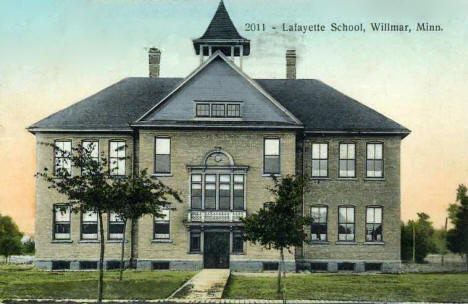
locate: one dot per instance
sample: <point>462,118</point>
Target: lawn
<point>372,287</point>
<point>28,282</point>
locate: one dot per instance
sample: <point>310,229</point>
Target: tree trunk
<point>466,257</point>
<point>133,243</point>
<point>101,258</point>
<point>122,251</point>
<point>278,287</point>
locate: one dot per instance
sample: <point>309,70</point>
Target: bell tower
<point>222,35</point>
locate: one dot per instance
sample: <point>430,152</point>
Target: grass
<point>28,282</point>
<point>372,287</point>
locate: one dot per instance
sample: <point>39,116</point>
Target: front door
<point>216,250</point>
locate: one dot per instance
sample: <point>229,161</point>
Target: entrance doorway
<point>216,250</point>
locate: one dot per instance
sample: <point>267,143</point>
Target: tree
<point>457,237</point>
<point>92,190</point>
<point>10,237</point>
<point>29,247</point>
<point>418,236</point>
<point>280,223</point>
<point>139,195</point>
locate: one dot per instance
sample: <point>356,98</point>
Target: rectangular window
<point>62,222</point>
<point>162,225</point>
<point>60,265</point>
<point>373,266</point>
<point>117,158</point>
<point>160,265</point>
<point>162,160</point>
<point>116,227</point>
<point>112,265</point>
<point>238,194</point>
<point>92,147</point>
<point>195,241</point>
<point>217,110</point>
<point>233,110</point>
<point>374,224</point>
<point>89,225</point>
<point>210,191</point>
<point>196,193</point>
<point>318,266</point>
<point>224,192</point>
<point>318,230</point>
<point>62,157</point>
<point>319,160</point>
<point>270,266</point>
<point>346,224</point>
<point>346,266</point>
<point>88,265</point>
<point>237,242</point>
<point>374,164</point>
<point>347,160</point>
<point>202,110</point>
<point>271,158</point>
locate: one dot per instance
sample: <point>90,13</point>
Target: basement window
<point>318,266</point>
<point>60,265</point>
<point>112,265</point>
<point>160,265</point>
<point>346,266</point>
<point>270,266</point>
<point>373,266</point>
<point>88,265</point>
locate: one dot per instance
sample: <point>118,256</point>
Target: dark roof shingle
<point>318,106</point>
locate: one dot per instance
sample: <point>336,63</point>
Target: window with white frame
<point>347,161</point>
<point>117,158</point>
<point>319,160</point>
<point>92,147</point>
<point>374,164</point>
<point>238,195</point>
<point>162,225</point>
<point>374,224</point>
<point>218,110</point>
<point>62,219</point>
<point>346,225</point>
<point>202,110</point>
<point>217,191</point>
<point>62,153</point>
<point>271,157</point>
<point>318,229</point>
<point>116,226</point>
<point>89,225</point>
<point>233,110</point>
<point>162,158</point>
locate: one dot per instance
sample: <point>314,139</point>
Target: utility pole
<point>445,239</point>
<point>414,244</point>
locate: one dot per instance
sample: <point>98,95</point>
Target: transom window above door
<point>217,109</point>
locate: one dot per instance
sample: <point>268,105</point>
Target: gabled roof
<point>318,106</point>
<point>231,68</point>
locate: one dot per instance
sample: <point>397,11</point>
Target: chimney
<point>154,55</point>
<point>290,64</point>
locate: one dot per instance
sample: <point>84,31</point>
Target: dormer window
<point>217,110</point>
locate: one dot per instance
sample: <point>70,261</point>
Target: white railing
<point>215,216</point>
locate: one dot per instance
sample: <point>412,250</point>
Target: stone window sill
<point>88,241</point>
<point>269,175</point>
<point>237,253</point>
<point>194,252</point>
<point>345,243</point>
<point>319,243</point>
<point>61,241</point>
<point>347,178</point>
<point>374,179</point>
<point>320,178</point>
<point>161,241</point>
<point>116,241</point>
<point>374,243</point>
<point>161,175</point>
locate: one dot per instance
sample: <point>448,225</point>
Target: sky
<point>54,53</point>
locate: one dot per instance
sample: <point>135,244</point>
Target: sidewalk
<point>207,284</point>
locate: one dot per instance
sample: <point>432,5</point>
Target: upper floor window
<point>202,110</point>
<point>217,191</point>
<point>346,226</point>
<point>92,147</point>
<point>62,218</point>
<point>271,157</point>
<point>162,158</point>
<point>373,224</point>
<point>319,160</point>
<point>374,164</point>
<point>162,225</point>
<point>89,225</point>
<point>218,109</point>
<point>347,160</point>
<point>318,230</point>
<point>116,226</point>
<point>117,157</point>
<point>63,157</point>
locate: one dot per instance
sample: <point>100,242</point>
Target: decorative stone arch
<point>218,157</point>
